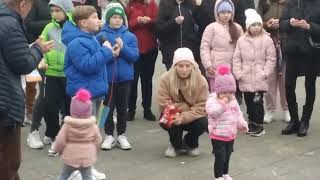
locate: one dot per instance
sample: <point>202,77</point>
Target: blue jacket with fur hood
<point>121,69</point>
<point>85,61</point>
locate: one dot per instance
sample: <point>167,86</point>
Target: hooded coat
<point>85,61</point>
<point>16,59</point>
<point>52,31</point>
<point>121,68</point>
<point>78,142</point>
<point>215,46</point>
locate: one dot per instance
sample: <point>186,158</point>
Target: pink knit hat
<point>81,105</point>
<point>184,54</point>
<point>224,80</point>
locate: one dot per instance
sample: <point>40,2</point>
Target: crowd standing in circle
<point>215,52</point>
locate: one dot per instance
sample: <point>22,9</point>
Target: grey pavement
<point>271,157</point>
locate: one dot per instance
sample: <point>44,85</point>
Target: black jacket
<point>16,59</point>
<point>297,38</point>
<point>169,32</point>
<point>37,19</point>
<point>88,2</point>
<point>206,12</point>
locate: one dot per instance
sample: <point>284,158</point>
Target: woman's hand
<point>179,19</point>
<point>304,25</point>
<point>177,119</point>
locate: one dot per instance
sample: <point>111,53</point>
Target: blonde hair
<point>82,12</point>
<point>176,82</point>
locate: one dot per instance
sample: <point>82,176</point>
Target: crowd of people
<point>91,54</point>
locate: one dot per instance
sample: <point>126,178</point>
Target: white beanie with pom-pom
<point>252,17</point>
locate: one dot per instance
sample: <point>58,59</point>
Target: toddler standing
<point>79,138</point>
<point>224,118</point>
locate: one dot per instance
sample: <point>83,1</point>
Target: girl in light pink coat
<point>219,39</point>
<point>254,61</point>
<point>79,138</point>
<point>224,118</point>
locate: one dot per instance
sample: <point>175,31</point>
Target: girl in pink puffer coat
<point>224,119</point>
<point>79,138</point>
<point>254,61</point>
<point>219,39</point>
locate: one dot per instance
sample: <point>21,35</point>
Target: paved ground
<point>271,157</point>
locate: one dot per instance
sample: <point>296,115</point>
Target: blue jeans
<point>86,172</point>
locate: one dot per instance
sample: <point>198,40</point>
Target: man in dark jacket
<point>16,59</point>
<point>301,22</point>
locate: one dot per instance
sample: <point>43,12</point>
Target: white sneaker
<point>227,177</point>
<point>268,117</point>
<point>51,152</point>
<point>123,142</point>
<point>34,141</point>
<point>194,152</point>
<point>286,116</point>
<point>47,140</point>
<point>170,152</point>
<point>98,175</point>
<point>108,143</point>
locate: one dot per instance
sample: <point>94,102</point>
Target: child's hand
<point>211,71</point>
<point>177,119</point>
<point>107,45</point>
<point>116,50</point>
<point>119,42</point>
<point>245,129</point>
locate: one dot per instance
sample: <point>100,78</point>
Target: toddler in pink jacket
<point>79,138</point>
<point>224,119</point>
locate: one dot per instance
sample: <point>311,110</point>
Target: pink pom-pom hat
<point>81,105</point>
<point>224,80</point>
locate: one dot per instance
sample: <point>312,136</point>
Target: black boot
<point>131,115</point>
<point>305,118</point>
<point>304,126</point>
<point>292,127</point>
<point>148,115</point>
<point>294,124</point>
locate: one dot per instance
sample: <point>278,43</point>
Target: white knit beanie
<point>184,54</point>
<point>252,17</point>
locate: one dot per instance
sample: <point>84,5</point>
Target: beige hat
<point>184,54</point>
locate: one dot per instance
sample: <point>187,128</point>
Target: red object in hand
<point>168,116</point>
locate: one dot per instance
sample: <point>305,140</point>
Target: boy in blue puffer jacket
<point>85,58</point>
<point>120,73</point>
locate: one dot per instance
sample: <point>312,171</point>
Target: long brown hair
<point>233,31</point>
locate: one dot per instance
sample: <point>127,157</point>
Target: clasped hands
<point>299,23</point>
<point>116,48</point>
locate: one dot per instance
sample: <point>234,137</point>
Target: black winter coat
<point>16,59</point>
<point>206,12</point>
<point>297,38</point>
<point>37,19</point>
<point>169,32</point>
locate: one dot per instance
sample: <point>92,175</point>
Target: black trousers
<point>293,71</point>
<point>38,107</point>
<point>143,68</point>
<point>222,151</point>
<point>119,101</point>
<point>195,129</point>
<point>255,109</point>
<point>54,96</point>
